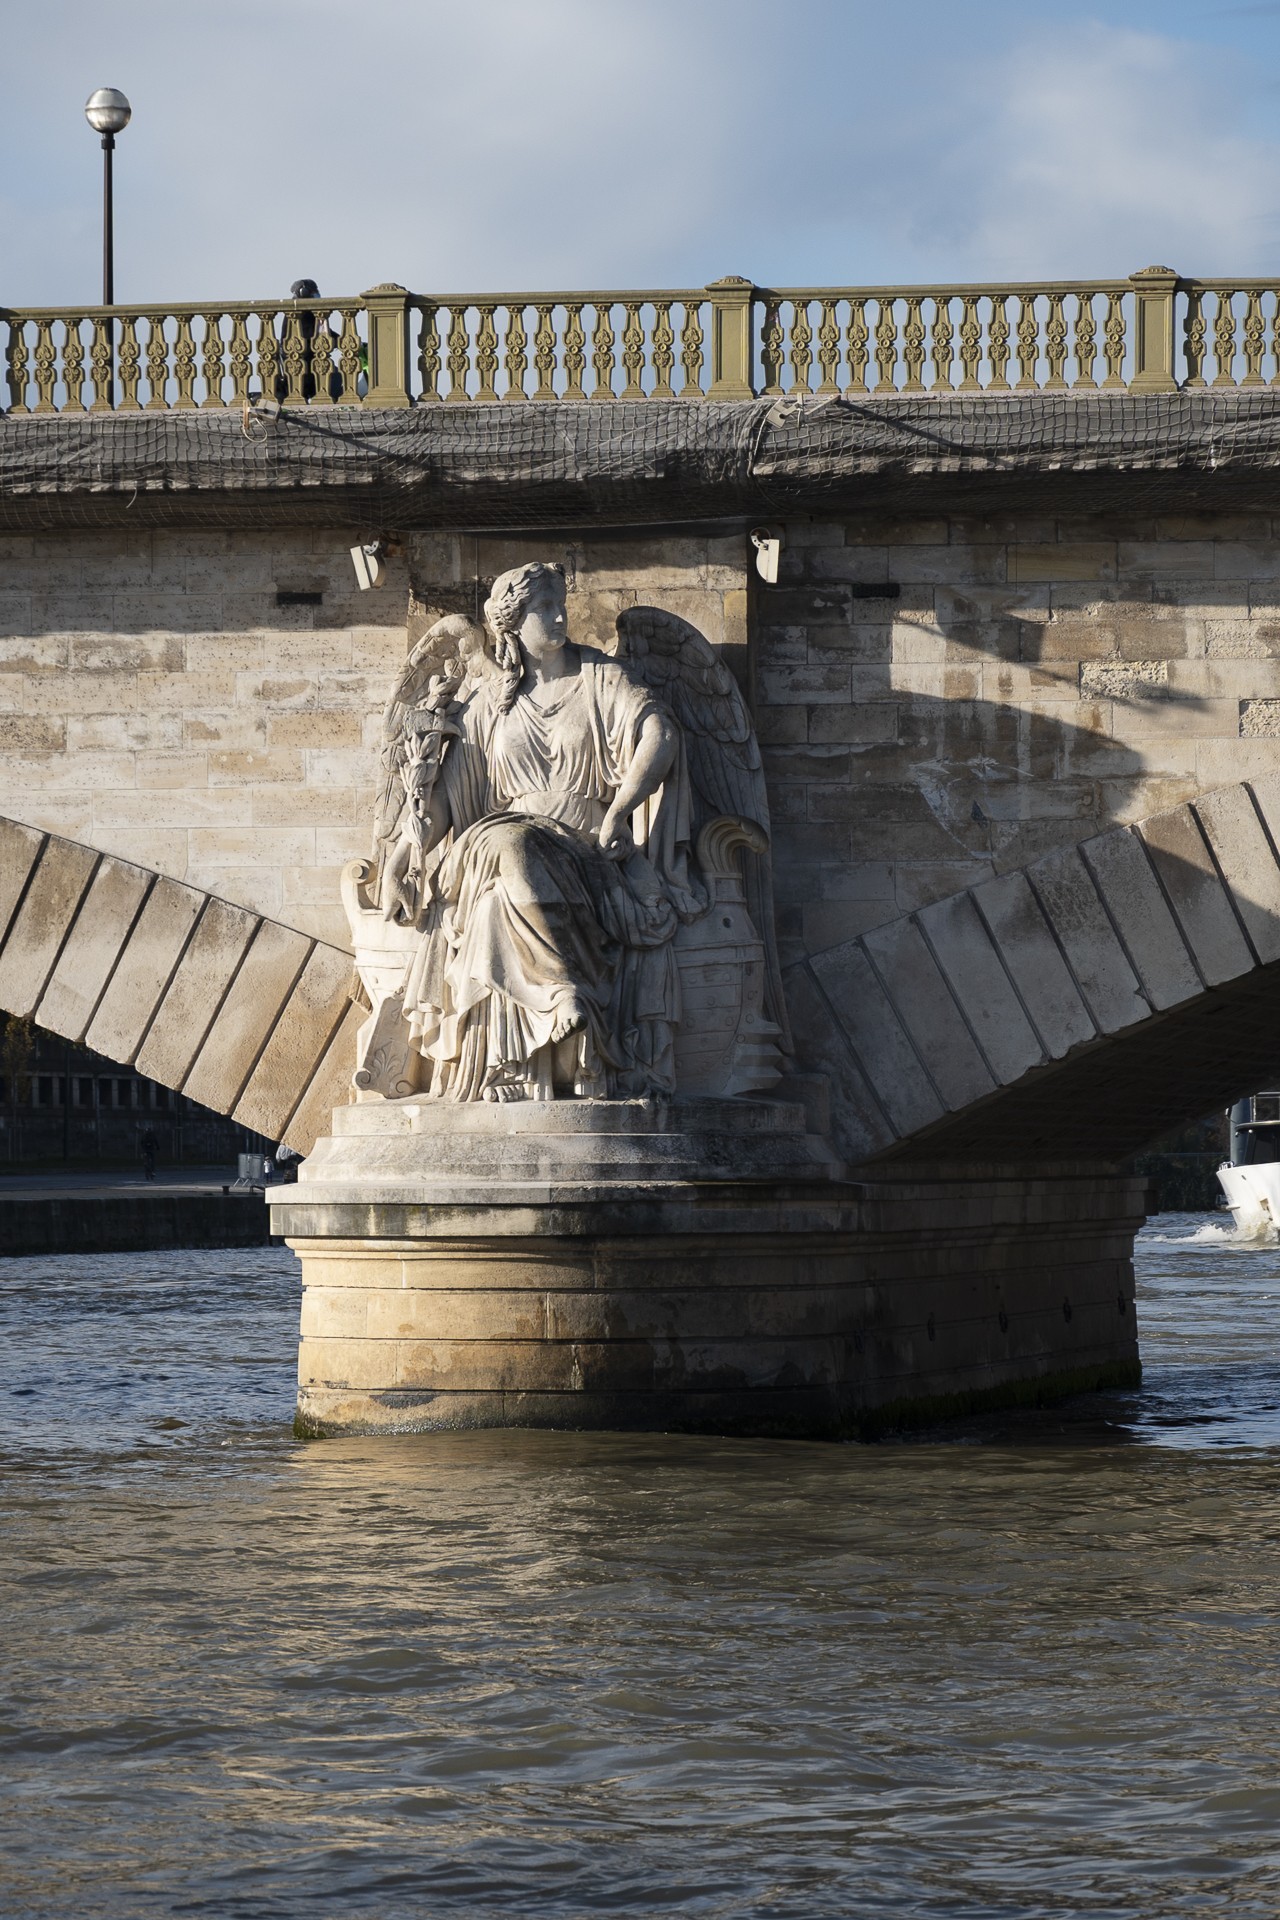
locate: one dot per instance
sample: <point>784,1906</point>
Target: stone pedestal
<point>700,1267</point>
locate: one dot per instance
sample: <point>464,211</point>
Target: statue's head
<point>526,615</point>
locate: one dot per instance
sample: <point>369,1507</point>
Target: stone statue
<point>554,907</point>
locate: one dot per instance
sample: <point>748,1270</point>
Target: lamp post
<point>108,113</point>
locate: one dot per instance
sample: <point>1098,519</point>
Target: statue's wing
<point>723,755</point>
<point>451,651</point>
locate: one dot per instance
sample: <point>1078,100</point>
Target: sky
<point>566,144</point>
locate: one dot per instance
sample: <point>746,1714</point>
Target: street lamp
<point>108,113</point>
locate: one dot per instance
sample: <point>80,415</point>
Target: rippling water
<point>1027,1666</point>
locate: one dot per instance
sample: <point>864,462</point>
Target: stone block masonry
<point>208,704</point>
<point>945,700</point>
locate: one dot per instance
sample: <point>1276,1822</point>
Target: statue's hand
<point>615,837</point>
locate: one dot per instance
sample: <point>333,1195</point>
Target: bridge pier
<point>614,1264</point>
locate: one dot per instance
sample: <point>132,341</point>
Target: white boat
<point>1253,1195</point>
<point>1251,1179</point>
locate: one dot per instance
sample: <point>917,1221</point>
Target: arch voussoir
<point>247,1016</point>
<point>1079,1005</point>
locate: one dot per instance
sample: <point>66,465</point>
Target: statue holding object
<point>555,906</point>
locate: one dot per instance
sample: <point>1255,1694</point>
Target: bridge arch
<point>1074,1008</point>
<point>243,1014</point>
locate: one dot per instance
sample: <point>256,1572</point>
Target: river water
<point>1026,1666</point>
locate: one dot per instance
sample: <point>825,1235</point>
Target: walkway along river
<point>1024,1667</point>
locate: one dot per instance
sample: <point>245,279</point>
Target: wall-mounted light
<point>767,542</point>
<point>369,561</point>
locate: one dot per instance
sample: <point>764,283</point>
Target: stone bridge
<point>1017,686</point>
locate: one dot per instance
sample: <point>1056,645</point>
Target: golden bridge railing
<point>1153,331</point>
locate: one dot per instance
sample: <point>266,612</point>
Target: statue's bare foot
<point>572,1020</point>
<point>503,1093</point>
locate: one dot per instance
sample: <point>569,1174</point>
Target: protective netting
<point>621,462</point>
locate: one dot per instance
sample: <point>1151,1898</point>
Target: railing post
<point>388,309</point>
<point>1154,300</point>
<point>732,341</point>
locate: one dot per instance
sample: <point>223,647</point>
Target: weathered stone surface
<point>329,1086</point>
<point>49,906</point>
<point>1124,877</point>
<point>929,1014</point>
<point>964,950</point>
<point>1079,921</point>
<point>93,947</point>
<point>307,1024</point>
<point>144,969</point>
<point>231,1049</point>
<point>1030,952</point>
<point>1247,862</point>
<point>19,850</point>
<point>1182,859</point>
<point>194,997</point>
<point>880,1042</point>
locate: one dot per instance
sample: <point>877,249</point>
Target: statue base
<point>703,1266</point>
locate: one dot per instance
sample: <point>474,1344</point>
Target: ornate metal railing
<point>1154,332</point>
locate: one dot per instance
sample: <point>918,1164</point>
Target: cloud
<point>1100,150</point>
<point>571,143</point>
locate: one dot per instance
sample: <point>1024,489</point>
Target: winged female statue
<point>546,839</point>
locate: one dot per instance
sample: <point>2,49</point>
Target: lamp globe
<point>107,110</point>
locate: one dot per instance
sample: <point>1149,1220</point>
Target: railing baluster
<point>943,342</point>
<point>1114,340</point>
<point>211,354</point>
<point>46,363</point>
<point>73,367</point>
<point>516,352</point>
<point>772,346</point>
<point>19,360</point>
<point>293,358</point>
<point>829,348</point>
<point>632,352</point>
<point>239,359</point>
<point>998,344</point>
<point>1055,345</point>
<point>662,356</point>
<point>429,362</point>
<point>487,353</point>
<point>575,351</point>
<point>101,358</point>
<point>129,364</point>
<point>691,342</point>
<point>184,364</point>
<point>913,339</point>
<point>1194,335</point>
<point>1224,338</point>
<point>886,346</point>
<point>322,344</point>
<point>602,345</point>
<point>1028,338</point>
<point>157,364</point>
<point>801,343</point>
<point>1255,342</point>
<point>544,353</point>
<point>459,357</point>
<point>1086,341</point>
<point>970,346</point>
<point>857,337</point>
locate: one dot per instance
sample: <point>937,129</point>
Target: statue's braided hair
<point>504,611</point>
